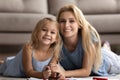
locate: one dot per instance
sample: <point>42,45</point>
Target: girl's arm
<point>27,63</point>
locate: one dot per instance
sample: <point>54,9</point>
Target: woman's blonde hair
<point>56,46</point>
<point>87,30</point>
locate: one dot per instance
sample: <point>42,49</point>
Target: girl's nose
<point>48,33</point>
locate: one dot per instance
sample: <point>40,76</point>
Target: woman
<point>81,51</point>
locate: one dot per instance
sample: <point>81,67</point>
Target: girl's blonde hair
<point>90,48</point>
<point>56,46</point>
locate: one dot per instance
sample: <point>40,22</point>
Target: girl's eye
<point>53,32</point>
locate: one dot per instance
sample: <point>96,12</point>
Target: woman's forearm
<point>77,73</point>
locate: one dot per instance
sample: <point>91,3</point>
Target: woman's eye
<point>44,29</point>
<point>71,21</point>
<point>62,21</point>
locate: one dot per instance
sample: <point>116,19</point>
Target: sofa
<point>19,17</point>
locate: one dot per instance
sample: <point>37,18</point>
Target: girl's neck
<point>42,53</point>
<point>43,49</point>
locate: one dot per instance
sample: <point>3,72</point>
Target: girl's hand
<point>47,72</point>
<point>57,70</point>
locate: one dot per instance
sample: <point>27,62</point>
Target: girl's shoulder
<point>27,48</point>
<point>27,45</point>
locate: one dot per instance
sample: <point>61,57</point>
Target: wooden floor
<point>9,50</point>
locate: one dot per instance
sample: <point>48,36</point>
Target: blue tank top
<point>72,60</point>
<point>39,65</point>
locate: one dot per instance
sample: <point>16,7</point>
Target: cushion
<point>107,23</point>
<point>118,6</point>
<point>26,6</point>
<point>11,5</point>
<point>97,6</point>
<point>20,22</point>
<point>35,6</point>
<point>55,5</point>
<point>87,6</point>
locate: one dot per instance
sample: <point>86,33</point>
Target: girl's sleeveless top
<point>13,65</point>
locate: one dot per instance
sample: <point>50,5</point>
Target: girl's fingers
<point>47,73</point>
<point>47,68</point>
<point>53,66</point>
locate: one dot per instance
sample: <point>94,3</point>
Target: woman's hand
<point>47,72</point>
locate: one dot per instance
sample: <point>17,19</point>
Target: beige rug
<point>11,78</point>
<point>88,78</point>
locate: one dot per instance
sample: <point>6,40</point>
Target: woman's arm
<point>87,66</point>
<point>83,72</point>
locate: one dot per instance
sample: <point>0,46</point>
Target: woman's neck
<point>71,43</point>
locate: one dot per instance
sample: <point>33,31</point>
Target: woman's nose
<point>67,24</point>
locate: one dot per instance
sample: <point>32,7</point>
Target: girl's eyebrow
<point>54,29</point>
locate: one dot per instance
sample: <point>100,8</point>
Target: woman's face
<point>68,24</point>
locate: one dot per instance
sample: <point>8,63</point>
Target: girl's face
<point>48,34</point>
<point>68,24</point>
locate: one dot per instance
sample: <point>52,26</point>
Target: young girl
<point>33,59</point>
